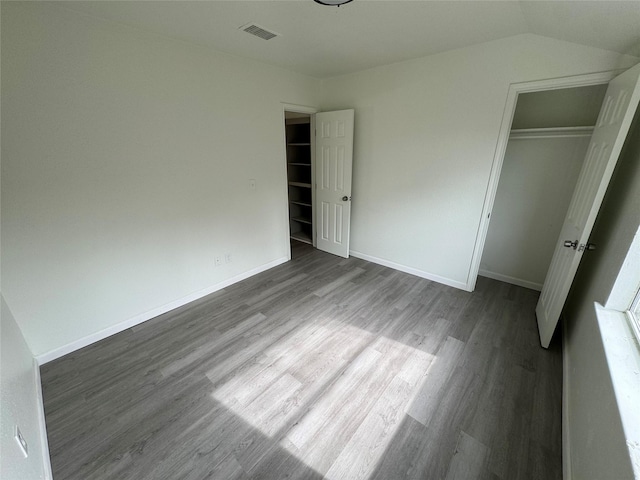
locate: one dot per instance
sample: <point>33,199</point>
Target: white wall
<point>19,405</point>
<point>426,131</point>
<point>536,184</point>
<point>126,160</point>
<point>566,107</point>
<point>596,438</point>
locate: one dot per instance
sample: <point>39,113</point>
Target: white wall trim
<point>627,282</point>
<point>44,442</point>
<point>516,89</point>
<point>292,107</point>
<point>410,270</point>
<point>513,280</point>
<point>622,354</point>
<point>143,317</point>
<point>555,132</point>
<point>566,437</point>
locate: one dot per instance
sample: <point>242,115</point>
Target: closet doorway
<point>547,145</point>
<point>300,176</point>
<point>613,121</point>
<point>319,161</point>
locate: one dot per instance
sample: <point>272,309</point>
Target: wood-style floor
<point>319,368</point>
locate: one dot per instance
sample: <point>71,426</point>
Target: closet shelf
<point>304,204</point>
<point>302,220</point>
<point>300,164</point>
<point>299,144</point>
<point>300,184</point>
<point>301,237</point>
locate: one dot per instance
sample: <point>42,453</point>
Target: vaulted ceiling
<point>324,41</point>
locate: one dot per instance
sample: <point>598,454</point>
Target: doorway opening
<point>547,145</point>
<point>613,121</point>
<point>300,178</point>
<point>319,192</point>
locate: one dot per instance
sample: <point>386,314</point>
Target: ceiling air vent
<point>258,31</point>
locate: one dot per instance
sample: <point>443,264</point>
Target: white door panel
<point>334,159</point>
<point>618,108</point>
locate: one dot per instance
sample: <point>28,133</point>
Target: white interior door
<point>334,160</point>
<point>620,103</point>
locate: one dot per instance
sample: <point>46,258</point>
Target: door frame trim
<point>292,107</point>
<point>515,89</point>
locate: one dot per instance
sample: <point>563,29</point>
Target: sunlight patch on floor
<point>348,390</point>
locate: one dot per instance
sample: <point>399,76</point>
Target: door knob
<point>346,199</point>
<point>570,244</point>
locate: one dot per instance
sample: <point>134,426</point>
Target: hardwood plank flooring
<point>321,368</point>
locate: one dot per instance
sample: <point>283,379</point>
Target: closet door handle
<point>346,199</point>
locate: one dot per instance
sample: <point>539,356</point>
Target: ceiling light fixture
<point>332,3</point>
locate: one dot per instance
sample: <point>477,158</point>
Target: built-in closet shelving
<point>299,175</point>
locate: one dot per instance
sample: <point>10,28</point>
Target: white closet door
<point>620,103</point>
<point>334,160</point>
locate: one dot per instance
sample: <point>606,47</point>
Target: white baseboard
<point>132,322</point>
<point>512,280</point>
<point>44,442</point>
<point>566,438</point>
<point>411,270</point>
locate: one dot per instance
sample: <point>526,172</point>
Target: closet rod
<point>553,132</point>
